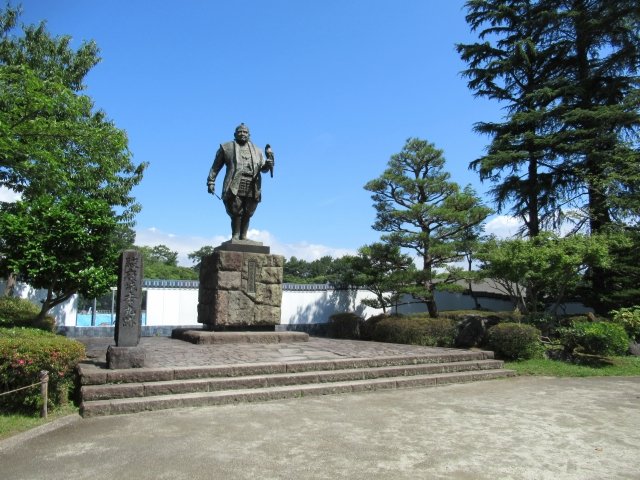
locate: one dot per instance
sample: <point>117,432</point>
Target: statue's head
<point>241,134</point>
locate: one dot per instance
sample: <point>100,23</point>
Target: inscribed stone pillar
<point>240,287</point>
<point>129,299</point>
<point>126,353</point>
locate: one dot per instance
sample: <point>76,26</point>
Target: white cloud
<point>186,244</point>
<point>310,251</point>
<point>8,195</point>
<point>503,226</point>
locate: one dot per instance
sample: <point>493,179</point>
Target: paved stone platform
<point>168,352</point>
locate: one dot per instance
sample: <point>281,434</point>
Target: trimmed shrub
<point>595,338</point>
<point>368,326</point>
<point>20,312</point>
<point>515,341</point>
<point>441,332</point>
<point>344,325</point>
<point>629,318</point>
<point>24,352</point>
<point>416,330</point>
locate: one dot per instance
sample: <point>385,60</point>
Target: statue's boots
<point>236,228</point>
<point>244,228</point>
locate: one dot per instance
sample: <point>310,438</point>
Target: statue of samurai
<point>241,190</point>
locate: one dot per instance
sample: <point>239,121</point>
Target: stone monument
<point>241,282</point>
<point>240,294</point>
<point>127,353</point>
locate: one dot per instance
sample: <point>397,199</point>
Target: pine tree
<point>422,210</point>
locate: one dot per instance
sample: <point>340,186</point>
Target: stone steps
<point>108,392</point>
<point>225,397</point>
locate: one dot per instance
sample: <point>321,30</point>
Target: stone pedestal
<point>240,287</point>
<point>125,357</point>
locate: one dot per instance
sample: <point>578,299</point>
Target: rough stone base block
<point>240,287</point>
<point>125,357</point>
<point>206,337</point>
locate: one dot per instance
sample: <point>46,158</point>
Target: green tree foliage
<point>422,210</point>
<point>621,279</point>
<point>160,262</point>
<point>197,256</point>
<point>61,245</point>
<point>541,272</point>
<point>381,269</point>
<point>69,161</point>
<point>322,270</point>
<point>161,254</point>
<point>53,140</point>
<point>629,319</point>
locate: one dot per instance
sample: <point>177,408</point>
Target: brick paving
<point>168,352</point>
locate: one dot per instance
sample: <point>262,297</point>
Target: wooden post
<point>44,392</point>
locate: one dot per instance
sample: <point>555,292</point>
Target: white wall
<point>167,306</point>
<point>179,306</point>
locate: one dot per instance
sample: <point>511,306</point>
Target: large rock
<point>472,330</point>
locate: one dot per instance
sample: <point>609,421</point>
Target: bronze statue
<point>241,190</point>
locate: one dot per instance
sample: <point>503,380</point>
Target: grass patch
<point>12,424</point>
<point>607,367</point>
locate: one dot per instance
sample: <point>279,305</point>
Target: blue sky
<point>335,86</point>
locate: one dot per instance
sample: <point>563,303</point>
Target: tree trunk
<point>432,308</point>
<point>533,222</point>
<point>10,285</point>
<point>51,301</point>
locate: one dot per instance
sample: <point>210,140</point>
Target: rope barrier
<point>21,388</point>
<point>44,391</point>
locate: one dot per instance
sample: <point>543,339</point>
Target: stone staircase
<point>109,392</point>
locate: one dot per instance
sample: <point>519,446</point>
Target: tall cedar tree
<point>599,111</point>
<point>567,72</point>
<point>423,211</point>
<point>599,137</point>
<point>514,65</point>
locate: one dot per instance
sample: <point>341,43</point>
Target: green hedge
<point>595,338</point>
<point>415,330</point>
<point>24,352</point>
<point>368,326</point>
<point>344,325</point>
<point>20,312</point>
<point>515,341</point>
